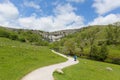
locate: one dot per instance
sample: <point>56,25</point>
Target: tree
<point>94,52</point>
<point>13,36</point>
<point>112,34</point>
<point>70,46</point>
<point>99,54</point>
<point>92,35</point>
<point>103,52</point>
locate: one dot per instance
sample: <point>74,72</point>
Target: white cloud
<point>64,18</point>
<point>32,4</point>
<point>77,1</point>
<point>8,14</point>
<point>104,6</point>
<point>63,9</point>
<point>44,23</point>
<point>109,19</point>
<point>8,10</point>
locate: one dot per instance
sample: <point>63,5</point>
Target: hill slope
<point>23,35</point>
<point>105,40</point>
<point>90,70</point>
<point>17,59</point>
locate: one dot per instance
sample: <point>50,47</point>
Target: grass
<point>89,70</point>
<point>114,51</point>
<point>17,59</point>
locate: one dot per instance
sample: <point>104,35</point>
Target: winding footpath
<point>45,73</point>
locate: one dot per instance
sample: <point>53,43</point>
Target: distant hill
<point>47,36</point>
<point>29,36</point>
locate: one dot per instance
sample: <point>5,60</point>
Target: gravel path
<point>45,73</point>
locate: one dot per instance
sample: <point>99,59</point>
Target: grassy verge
<point>17,59</point>
<point>89,70</point>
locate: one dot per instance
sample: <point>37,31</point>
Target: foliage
<point>70,46</point>
<point>113,34</point>
<point>28,36</point>
<point>103,52</point>
<point>89,41</point>
<point>99,53</point>
<point>94,52</point>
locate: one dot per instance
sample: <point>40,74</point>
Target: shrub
<point>4,34</point>
<point>103,52</point>
<point>116,61</point>
<point>99,53</point>
<point>13,37</point>
<point>94,52</point>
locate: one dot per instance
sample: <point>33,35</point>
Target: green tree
<point>99,53</point>
<point>70,46</point>
<point>94,52</point>
<point>103,53</point>
<point>112,34</point>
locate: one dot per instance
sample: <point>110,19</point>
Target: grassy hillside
<point>17,59</point>
<point>104,40</point>
<point>89,70</point>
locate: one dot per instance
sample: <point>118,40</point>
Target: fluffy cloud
<point>44,23</point>
<point>31,4</point>
<point>8,10</point>
<point>8,13</point>
<point>109,19</point>
<point>104,6</point>
<point>63,9</point>
<point>64,18</point>
<point>77,1</point>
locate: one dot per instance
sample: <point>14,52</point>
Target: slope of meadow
<point>90,70</point>
<point>17,59</point>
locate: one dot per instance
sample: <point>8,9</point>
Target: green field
<point>89,70</point>
<point>17,59</point>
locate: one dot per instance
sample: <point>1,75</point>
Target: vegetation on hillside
<point>94,42</point>
<point>29,36</point>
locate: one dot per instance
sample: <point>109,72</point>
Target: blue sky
<point>52,15</point>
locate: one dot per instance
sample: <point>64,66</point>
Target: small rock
<point>109,69</point>
<point>59,71</point>
<point>13,46</point>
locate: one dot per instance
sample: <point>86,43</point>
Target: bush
<point>116,61</point>
<point>99,54</point>
<point>13,37</point>
<point>4,34</point>
<point>103,52</point>
<point>22,39</point>
<point>101,43</point>
<point>94,52</point>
